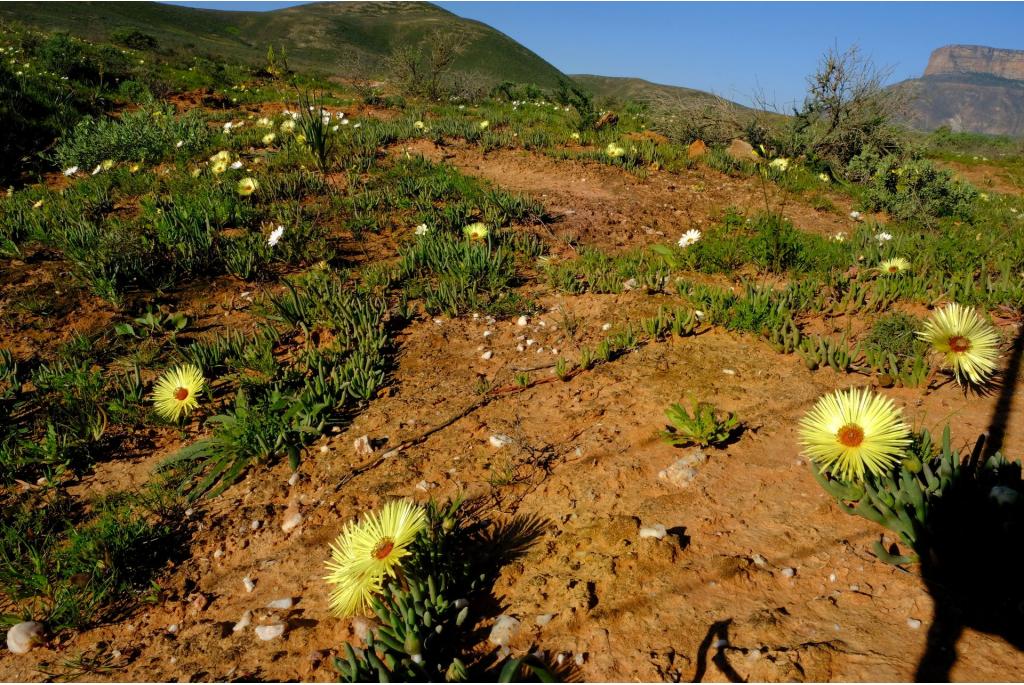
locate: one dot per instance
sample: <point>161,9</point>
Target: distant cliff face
<point>969,88</point>
<point>976,59</point>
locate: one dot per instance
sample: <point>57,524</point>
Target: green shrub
<point>143,135</point>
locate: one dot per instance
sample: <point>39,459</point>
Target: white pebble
<point>656,531</point>
<point>271,632</point>
<point>487,334</point>
<point>913,623</point>
<point>294,478</point>
<point>487,355</point>
<point>291,522</point>
<point>218,554</point>
<point>606,327</point>
<point>255,525</point>
<point>788,572</point>
<point>283,603</point>
<point>23,636</point>
<point>832,577</point>
<point>529,342</point>
<point>729,372</point>
<point>362,446</point>
<point>505,627</point>
<point>499,440</point>
<point>243,622</point>
<point>522,321</point>
<point>544,619</point>
<point>173,628</point>
<point>580,659</point>
<point>324,449</point>
<point>249,584</point>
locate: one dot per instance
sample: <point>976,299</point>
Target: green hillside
<point>343,39</point>
<point>627,88</point>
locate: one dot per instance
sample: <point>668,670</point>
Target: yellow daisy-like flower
<point>614,150</point>
<point>476,231</point>
<point>219,167</point>
<point>264,122</point>
<point>780,164</point>
<point>894,266</point>
<point>418,125</point>
<point>969,344</point>
<point>247,186</point>
<point>222,156</point>
<point>269,138</point>
<point>824,178</point>
<point>177,392</point>
<point>287,126</point>
<point>575,135</point>
<point>367,552</point>
<point>484,124</point>
<point>851,432</point>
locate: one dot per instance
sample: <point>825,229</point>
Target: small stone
<point>630,284</point>
<point>544,619</point>
<point>363,627</point>
<point>522,321</point>
<point>487,355</point>
<point>683,471</point>
<point>424,486</point>
<point>657,531</point>
<point>217,554</point>
<point>255,525</point>
<point>1003,495</point>
<point>788,572</point>
<point>324,449</point>
<point>560,659</point>
<point>291,521</point>
<point>362,446</point>
<point>499,440</point>
<point>530,342</point>
<point>606,327</point>
<point>271,632</point>
<point>832,577</point>
<point>487,334</point>
<point>760,561</point>
<point>913,623</point>
<point>22,637</point>
<point>249,584</point>
<point>173,628</point>
<point>855,588</point>
<point>729,372</point>
<point>580,659</point>
<point>243,622</point>
<point>282,604</point>
<point>504,629</point>
<point>294,478</point>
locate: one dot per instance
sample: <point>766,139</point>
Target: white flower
<point>855,215</point>
<point>98,169</point>
<point>422,229</point>
<point>236,164</point>
<point>357,125</point>
<point>179,143</point>
<point>883,237</point>
<point>71,171</point>
<point>275,236</point>
<point>334,128</point>
<point>227,126</point>
<point>344,122</point>
<point>839,237</point>
<point>689,238</point>
<point>780,164</point>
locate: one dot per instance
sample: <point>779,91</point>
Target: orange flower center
<point>181,394</point>
<point>383,549</point>
<point>959,343</point>
<point>894,269</point>
<point>850,435</point>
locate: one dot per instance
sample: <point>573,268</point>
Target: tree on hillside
<point>847,110</point>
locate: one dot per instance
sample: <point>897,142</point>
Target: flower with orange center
<point>852,432</point>
<point>969,344</point>
<point>177,392</point>
<point>894,266</point>
<point>368,552</point>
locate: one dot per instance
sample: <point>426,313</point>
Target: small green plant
<point>706,426</point>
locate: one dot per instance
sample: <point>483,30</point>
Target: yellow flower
<point>264,122</point>
<point>37,204</point>
<point>287,126</point>
<point>222,156</point>
<point>894,266</point>
<point>824,178</point>
<point>301,138</point>
<point>176,393</point>
<point>575,135</point>
<point>134,167</point>
<point>614,150</point>
<point>476,231</point>
<point>269,138</point>
<point>851,432</point>
<point>484,124</point>
<point>369,551</point>
<point>107,164</point>
<point>219,167</point>
<point>968,343</point>
<point>419,125</point>
<point>780,164</point>
<point>247,186</point>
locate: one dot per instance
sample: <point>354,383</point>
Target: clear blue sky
<point>734,49</point>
